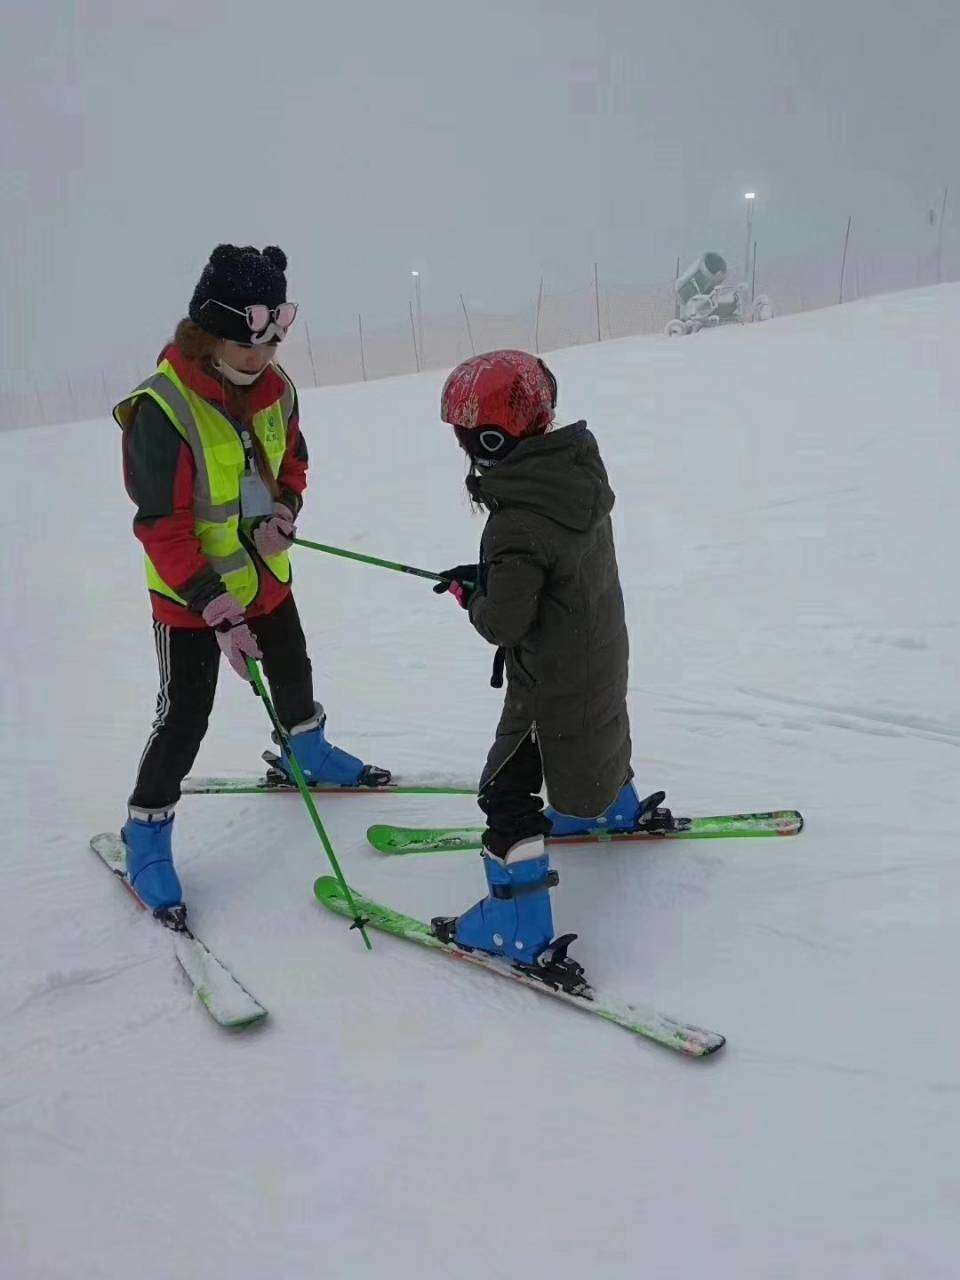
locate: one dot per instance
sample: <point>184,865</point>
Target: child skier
<point>216,464</point>
<point>546,592</point>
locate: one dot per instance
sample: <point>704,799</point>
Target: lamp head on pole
<point>750,195</point>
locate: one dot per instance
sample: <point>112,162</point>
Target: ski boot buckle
<point>508,891</point>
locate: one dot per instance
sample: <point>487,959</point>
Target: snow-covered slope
<point>786,523</point>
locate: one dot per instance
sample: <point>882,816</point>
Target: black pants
<point>189,662</point>
<point>512,801</point>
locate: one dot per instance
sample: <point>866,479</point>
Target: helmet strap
<point>486,446</point>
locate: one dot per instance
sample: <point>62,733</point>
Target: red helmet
<point>511,390</point>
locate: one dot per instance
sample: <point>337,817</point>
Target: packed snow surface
<point>786,524</point>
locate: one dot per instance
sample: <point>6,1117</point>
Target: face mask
<point>234,375</point>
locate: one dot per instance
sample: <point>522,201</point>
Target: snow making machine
<point>705,299</point>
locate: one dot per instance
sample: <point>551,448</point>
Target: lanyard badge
<point>256,500</point>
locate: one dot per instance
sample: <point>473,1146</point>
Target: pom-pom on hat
<point>238,277</point>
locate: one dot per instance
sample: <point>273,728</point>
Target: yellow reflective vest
<point>220,462</point>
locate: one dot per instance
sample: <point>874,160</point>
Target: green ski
<point>778,822</point>
<point>254,784</point>
<point>693,1041</point>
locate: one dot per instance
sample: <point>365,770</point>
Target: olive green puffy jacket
<point>550,597</point>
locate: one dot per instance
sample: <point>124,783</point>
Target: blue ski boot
<point>150,870</point>
<point>322,763</point>
<point>515,920</point>
<point>628,813</point>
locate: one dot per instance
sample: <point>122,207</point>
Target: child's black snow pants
<point>512,801</point>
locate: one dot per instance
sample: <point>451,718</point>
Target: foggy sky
<point>482,143</point>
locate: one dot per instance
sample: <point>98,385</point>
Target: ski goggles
<point>259,317</point>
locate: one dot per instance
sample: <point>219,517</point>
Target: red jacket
<point>159,472</point>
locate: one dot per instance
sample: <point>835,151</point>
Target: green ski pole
<point>282,737</point>
<point>374,560</point>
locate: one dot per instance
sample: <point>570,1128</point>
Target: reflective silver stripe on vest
<point>178,402</point>
<point>214,512</point>
<point>231,563</point>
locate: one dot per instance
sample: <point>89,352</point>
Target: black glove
<point>461,581</point>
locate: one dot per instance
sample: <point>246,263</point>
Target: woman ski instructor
<point>216,464</point>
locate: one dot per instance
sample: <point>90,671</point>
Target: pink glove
<point>460,594</point>
<point>462,583</point>
<point>272,536</point>
<point>234,637</point>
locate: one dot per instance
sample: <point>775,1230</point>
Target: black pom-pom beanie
<point>237,276</point>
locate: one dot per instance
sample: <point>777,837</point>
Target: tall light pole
<point>749,196</point>
<point>416,283</point>
<point>943,211</point>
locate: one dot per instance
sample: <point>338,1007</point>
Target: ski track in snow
<point>785,517</point>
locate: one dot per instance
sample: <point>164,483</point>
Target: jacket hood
<point>559,475</point>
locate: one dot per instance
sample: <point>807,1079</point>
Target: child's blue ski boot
<point>515,920</point>
<point>627,814</point>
